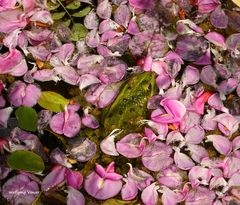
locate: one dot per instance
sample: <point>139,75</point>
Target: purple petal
<point>44,117</point>
<point>75,197</point>
<point>54,178</point>
<point>122,15</point>
<point>133,27</point>
<point>190,47</point>
<point>218,18</point>
<point>58,157</point>
<point>208,76</point>
<point>20,190</point>
<point>82,149</point>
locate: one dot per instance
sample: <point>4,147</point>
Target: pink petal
<point>100,188</point>
<point>183,161</point>
<point>129,190</point>
<point>220,143</point>
<point>11,20</point>
<point>104,9</point>
<point>215,101</point>
<point>149,195</point>
<point>122,15</point>
<point>206,6</point>
<point>195,135</point>
<point>190,76</point>
<point>197,152</point>
<point>32,94</point>
<point>169,197</point>
<point>131,146</point>
<point>154,154</point>
<point>108,145</point>
<point>68,74</point>
<point>142,4</point>
<point>217,39</point>
<point>208,122</point>
<point>72,125</point>
<point>227,123</point>
<point>74,179</point>
<point>93,39</point>
<point>199,175</point>
<point>12,62</point>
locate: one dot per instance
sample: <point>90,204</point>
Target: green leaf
<point>118,202</point>
<point>130,105</point>
<point>58,15</point>
<point>52,6</point>
<point>74,5</point>
<point>26,161</point>
<point>83,12</point>
<point>78,32</point>
<point>27,118</point>
<point>67,22</point>
<point>52,101</point>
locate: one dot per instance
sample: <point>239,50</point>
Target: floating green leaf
<point>26,161</point>
<point>78,32</point>
<point>52,101</point>
<point>83,12</point>
<point>74,5</point>
<point>130,105</point>
<point>27,118</point>
<point>118,202</point>
<point>58,15</point>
